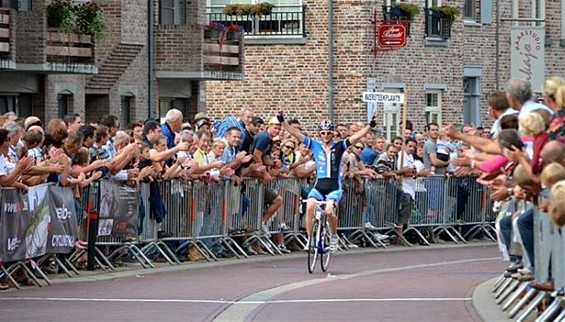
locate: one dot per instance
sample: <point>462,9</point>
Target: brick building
<point>48,73</point>
<point>445,69</point>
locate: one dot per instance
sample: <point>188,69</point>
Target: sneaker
<point>514,266</point>
<point>369,226</point>
<point>283,227</point>
<point>380,237</point>
<point>333,243</point>
<point>283,249</point>
<point>524,271</point>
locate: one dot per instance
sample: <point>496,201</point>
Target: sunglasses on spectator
<point>326,133</point>
<point>358,147</point>
<point>289,147</point>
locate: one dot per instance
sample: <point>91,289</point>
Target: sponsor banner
<point>38,229</point>
<point>63,227</point>
<point>14,219</point>
<point>119,209</point>
<point>527,54</point>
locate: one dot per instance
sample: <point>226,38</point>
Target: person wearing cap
<point>202,121</point>
<point>262,146</point>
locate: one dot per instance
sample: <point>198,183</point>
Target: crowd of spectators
<point>519,157</point>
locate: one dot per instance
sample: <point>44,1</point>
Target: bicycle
<point>319,241</point>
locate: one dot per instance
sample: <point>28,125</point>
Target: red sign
<point>392,35</point>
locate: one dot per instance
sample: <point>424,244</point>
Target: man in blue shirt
<point>261,152</point>
<point>172,125</point>
<point>327,155</point>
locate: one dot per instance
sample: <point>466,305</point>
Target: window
<point>433,107</point>
<point>471,100</point>
<point>64,104</point>
<point>166,104</point>
<point>391,117</point>
<point>286,18</point>
<point>172,12</point>
<point>128,104</point>
<point>20,5</point>
<point>469,10</point>
<point>436,25</point>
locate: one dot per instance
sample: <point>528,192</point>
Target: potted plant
<point>448,13</point>
<point>232,32</point>
<point>61,14</point>
<point>85,18</point>
<point>89,19</point>
<point>262,9</point>
<point>238,9</point>
<point>405,10</point>
<point>213,30</point>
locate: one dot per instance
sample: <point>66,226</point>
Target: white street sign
<point>373,97</point>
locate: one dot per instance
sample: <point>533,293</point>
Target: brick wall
<point>295,77</point>
<point>30,34</point>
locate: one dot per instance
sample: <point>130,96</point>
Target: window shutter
<point>486,11</point>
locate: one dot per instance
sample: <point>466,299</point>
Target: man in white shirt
<point>407,169</point>
<point>498,107</point>
<point>519,95</point>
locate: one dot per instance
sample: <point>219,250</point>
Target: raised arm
<point>364,131</point>
<point>293,131</point>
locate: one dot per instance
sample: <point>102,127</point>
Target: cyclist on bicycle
<point>327,155</point>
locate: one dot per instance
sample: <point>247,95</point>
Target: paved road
<point>421,284</point>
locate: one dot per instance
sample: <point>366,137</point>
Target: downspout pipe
<point>330,60</point>
<point>150,45</point>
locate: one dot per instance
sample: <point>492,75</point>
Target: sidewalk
<point>486,307</point>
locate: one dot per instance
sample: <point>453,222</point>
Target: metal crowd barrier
<point>287,220</point>
<point>520,299</point>
<point>442,204</point>
<point>202,215</point>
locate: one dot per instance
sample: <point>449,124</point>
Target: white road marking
<point>352,300</point>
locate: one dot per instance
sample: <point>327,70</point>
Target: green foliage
<point>409,9</point>
<point>238,9</point>
<point>84,18</point>
<point>448,12</point>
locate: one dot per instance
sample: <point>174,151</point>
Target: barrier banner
<point>119,209</point>
<point>63,227</point>
<point>14,219</point>
<point>38,229</point>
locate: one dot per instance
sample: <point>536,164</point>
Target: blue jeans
<point>506,230</point>
<point>526,227</point>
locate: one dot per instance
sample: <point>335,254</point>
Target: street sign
<point>374,97</point>
<point>392,35</point>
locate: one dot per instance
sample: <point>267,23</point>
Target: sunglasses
<point>326,133</point>
<point>357,147</point>
<point>289,147</point>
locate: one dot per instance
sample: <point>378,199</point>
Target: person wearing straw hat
<point>202,121</point>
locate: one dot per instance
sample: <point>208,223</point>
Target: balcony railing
<point>283,21</point>
<point>69,48</point>
<point>437,26</point>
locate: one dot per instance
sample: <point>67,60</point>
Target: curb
<point>485,305</point>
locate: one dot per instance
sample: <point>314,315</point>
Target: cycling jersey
<point>328,168</point>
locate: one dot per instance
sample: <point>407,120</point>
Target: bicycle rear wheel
<point>313,247</point>
<point>326,254</point>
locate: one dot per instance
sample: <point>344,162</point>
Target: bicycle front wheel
<point>313,246</point>
<point>326,254</point>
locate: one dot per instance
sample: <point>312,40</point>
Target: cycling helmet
<point>326,125</point>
